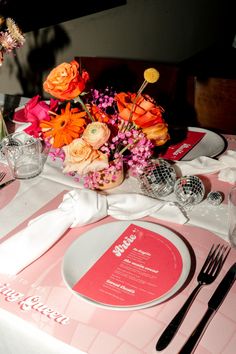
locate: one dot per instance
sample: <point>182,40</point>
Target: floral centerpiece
<point>98,135</point>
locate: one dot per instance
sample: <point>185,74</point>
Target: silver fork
<point>2,175</point>
<point>208,273</point>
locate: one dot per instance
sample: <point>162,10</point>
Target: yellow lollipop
<point>151,75</point>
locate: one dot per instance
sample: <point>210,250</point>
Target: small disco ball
<point>215,198</point>
<point>157,179</point>
<point>189,190</point>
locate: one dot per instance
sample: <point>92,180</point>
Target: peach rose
<point>80,157</point>
<point>146,112</point>
<point>96,134</point>
<point>65,82</point>
<point>157,133</point>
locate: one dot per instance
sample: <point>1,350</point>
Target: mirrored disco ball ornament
<point>157,179</point>
<point>215,198</point>
<point>189,190</point>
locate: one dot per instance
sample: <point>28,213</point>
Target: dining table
<point>82,326</point>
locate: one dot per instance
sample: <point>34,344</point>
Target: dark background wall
<point>32,15</point>
<point>169,31</point>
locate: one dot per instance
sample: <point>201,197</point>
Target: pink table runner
<point>96,330</point>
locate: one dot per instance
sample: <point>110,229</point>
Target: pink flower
<point>36,110</point>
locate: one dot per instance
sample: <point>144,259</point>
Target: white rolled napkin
<point>79,207</point>
<point>225,165</point>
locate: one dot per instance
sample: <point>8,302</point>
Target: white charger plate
<point>91,245</point>
<point>211,145</point>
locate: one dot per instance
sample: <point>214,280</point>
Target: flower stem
<point>127,146</point>
<point>78,99</point>
<point>142,87</point>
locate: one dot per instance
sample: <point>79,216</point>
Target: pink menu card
<point>177,151</point>
<point>139,267</point>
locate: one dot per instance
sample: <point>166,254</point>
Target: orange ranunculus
<point>80,157</point>
<point>145,113</point>
<point>64,127</point>
<point>65,82</point>
<point>158,133</point>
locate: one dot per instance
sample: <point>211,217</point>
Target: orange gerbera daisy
<point>63,128</point>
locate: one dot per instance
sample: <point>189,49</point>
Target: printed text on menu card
<point>139,267</point>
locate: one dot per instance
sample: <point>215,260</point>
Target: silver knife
<point>213,305</point>
<point>6,183</point>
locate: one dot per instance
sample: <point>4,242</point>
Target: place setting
<point>134,279</point>
<point>118,266</point>
<point>189,143</point>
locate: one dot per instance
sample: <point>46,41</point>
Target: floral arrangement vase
<point>108,178</point>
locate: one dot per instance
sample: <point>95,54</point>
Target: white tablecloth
<point>36,192</point>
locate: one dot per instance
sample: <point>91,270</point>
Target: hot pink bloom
<point>36,110</point>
